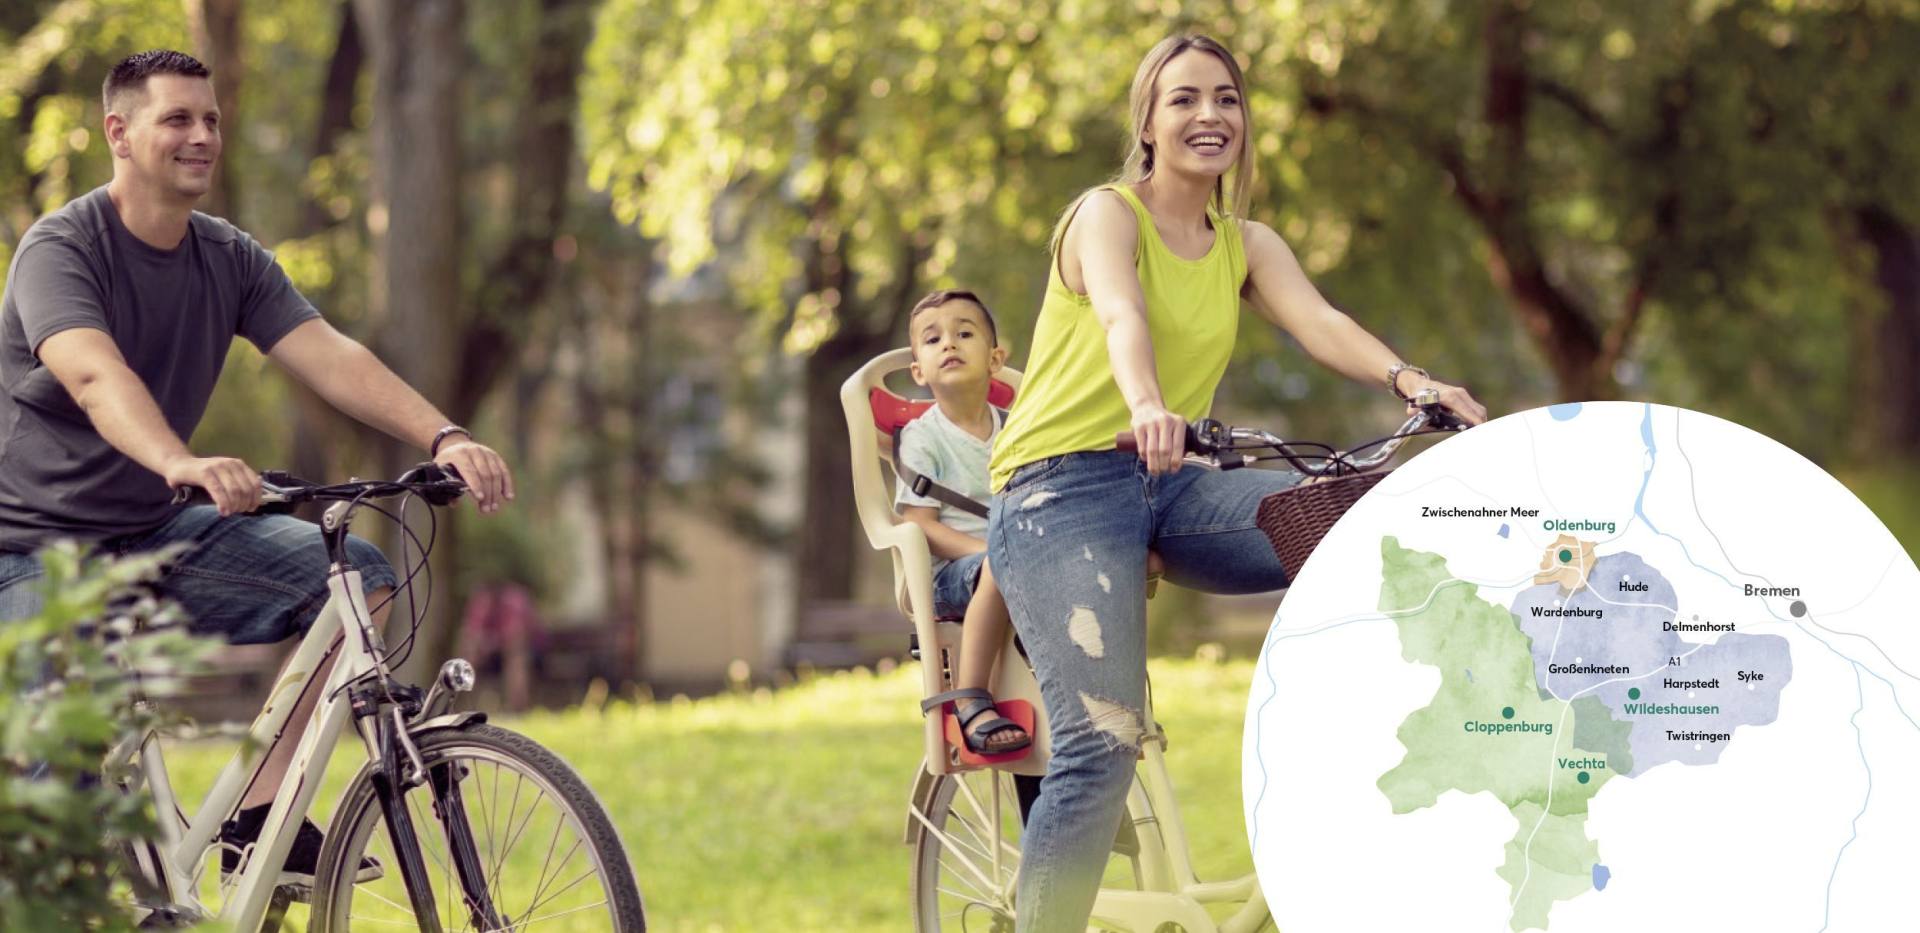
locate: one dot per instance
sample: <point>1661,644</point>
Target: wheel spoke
<point>504,817</point>
<point>561,890</point>
<point>390,903</point>
<point>949,841</point>
<point>996,838</point>
<point>512,810</point>
<point>542,887</point>
<point>968,855</point>
<point>514,839</point>
<point>492,879</point>
<point>571,910</point>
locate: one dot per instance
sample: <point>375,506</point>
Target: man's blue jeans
<point>1068,539</point>
<point>248,578</point>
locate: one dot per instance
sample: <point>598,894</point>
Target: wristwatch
<point>1393,378</point>
<point>433,449</point>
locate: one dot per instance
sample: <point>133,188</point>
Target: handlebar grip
<point>1202,437</point>
<point>444,481</point>
<point>272,500</point>
<point>191,495</point>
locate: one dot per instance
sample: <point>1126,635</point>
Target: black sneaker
<point>302,860</point>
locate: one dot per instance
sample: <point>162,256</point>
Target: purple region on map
<point>1682,693</point>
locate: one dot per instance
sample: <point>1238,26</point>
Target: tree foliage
<point>1708,203</point>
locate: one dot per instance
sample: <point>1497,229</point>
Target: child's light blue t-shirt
<point>936,448</point>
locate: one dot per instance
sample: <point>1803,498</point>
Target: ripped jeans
<point>1068,540</point>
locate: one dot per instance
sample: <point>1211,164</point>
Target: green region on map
<point>1465,740</point>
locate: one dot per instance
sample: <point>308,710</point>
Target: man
<point>117,315</point>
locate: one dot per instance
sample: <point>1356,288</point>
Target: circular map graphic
<point>1608,666</point>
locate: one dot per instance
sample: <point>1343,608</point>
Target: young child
<point>956,352</point>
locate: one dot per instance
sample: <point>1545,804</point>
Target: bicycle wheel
<point>965,833</point>
<point>535,842</point>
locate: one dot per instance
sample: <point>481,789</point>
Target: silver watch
<point>1393,376</point>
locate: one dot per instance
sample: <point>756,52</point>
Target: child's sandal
<point>966,712</point>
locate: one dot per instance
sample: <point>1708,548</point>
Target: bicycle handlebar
<point>279,490</point>
<point>1210,438</point>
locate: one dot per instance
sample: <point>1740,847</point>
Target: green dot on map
<point>1633,693</point>
<point>1506,713</point>
<point>1585,777</point>
<point>1566,556</point>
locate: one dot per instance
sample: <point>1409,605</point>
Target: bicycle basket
<point>1296,519</point>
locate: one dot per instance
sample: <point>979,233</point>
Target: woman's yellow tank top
<point>1068,400</point>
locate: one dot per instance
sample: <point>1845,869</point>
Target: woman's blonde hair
<point>1139,165</point>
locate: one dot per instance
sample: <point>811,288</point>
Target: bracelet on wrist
<point>440,436</point>
<point>1393,379</point>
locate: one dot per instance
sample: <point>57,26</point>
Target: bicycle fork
<point>398,769</point>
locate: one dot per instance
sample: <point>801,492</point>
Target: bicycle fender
<point>918,800</point>
<point>447,721</point>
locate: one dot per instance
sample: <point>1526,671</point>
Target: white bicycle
<point>966,811</point>
<point>484,828</point>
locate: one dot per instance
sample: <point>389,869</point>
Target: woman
<point>1134,334</point>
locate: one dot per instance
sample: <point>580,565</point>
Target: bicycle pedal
<point>166,918</point>
<point>291,893</point>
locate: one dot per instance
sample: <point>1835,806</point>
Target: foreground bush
<point>65,702</point>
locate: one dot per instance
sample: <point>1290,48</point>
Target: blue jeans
<point>1068,539</point>
<point>250,579</point>
<point>954,583</point>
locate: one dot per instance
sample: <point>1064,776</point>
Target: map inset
<point>1590,668</point>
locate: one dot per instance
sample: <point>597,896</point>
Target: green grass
<point>786,810</point>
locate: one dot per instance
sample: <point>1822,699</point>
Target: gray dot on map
<point>1798,609</point>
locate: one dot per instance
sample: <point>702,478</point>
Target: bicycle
<point>427,766</point>
<point>965,814</point>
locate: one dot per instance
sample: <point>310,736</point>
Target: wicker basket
<point>1296,519</point>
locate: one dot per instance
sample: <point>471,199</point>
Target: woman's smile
<point>1209,143</point>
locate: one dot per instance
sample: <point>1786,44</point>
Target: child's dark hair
<point>937,298</point>
<point>133,71</point>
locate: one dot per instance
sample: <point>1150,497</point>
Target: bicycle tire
<point>958,888</point>
<point>480,753</point>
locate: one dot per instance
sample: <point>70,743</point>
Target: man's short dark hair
<point>938,298</point>
<point>134,70</point>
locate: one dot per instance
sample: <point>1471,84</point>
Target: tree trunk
<point>1896,249</point>
<point>315,422</point>
<point>418,55</point>
<point>1565,334</point>
<point>216,29</point>
<point>337,98</point>
<point>826,541</point>
<point>520,272</point>
<point>644,450</point>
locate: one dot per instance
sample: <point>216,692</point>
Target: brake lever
<point>1439,417</point>
<point>438,483</point>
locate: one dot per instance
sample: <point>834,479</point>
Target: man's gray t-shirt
<point>173,314</point>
